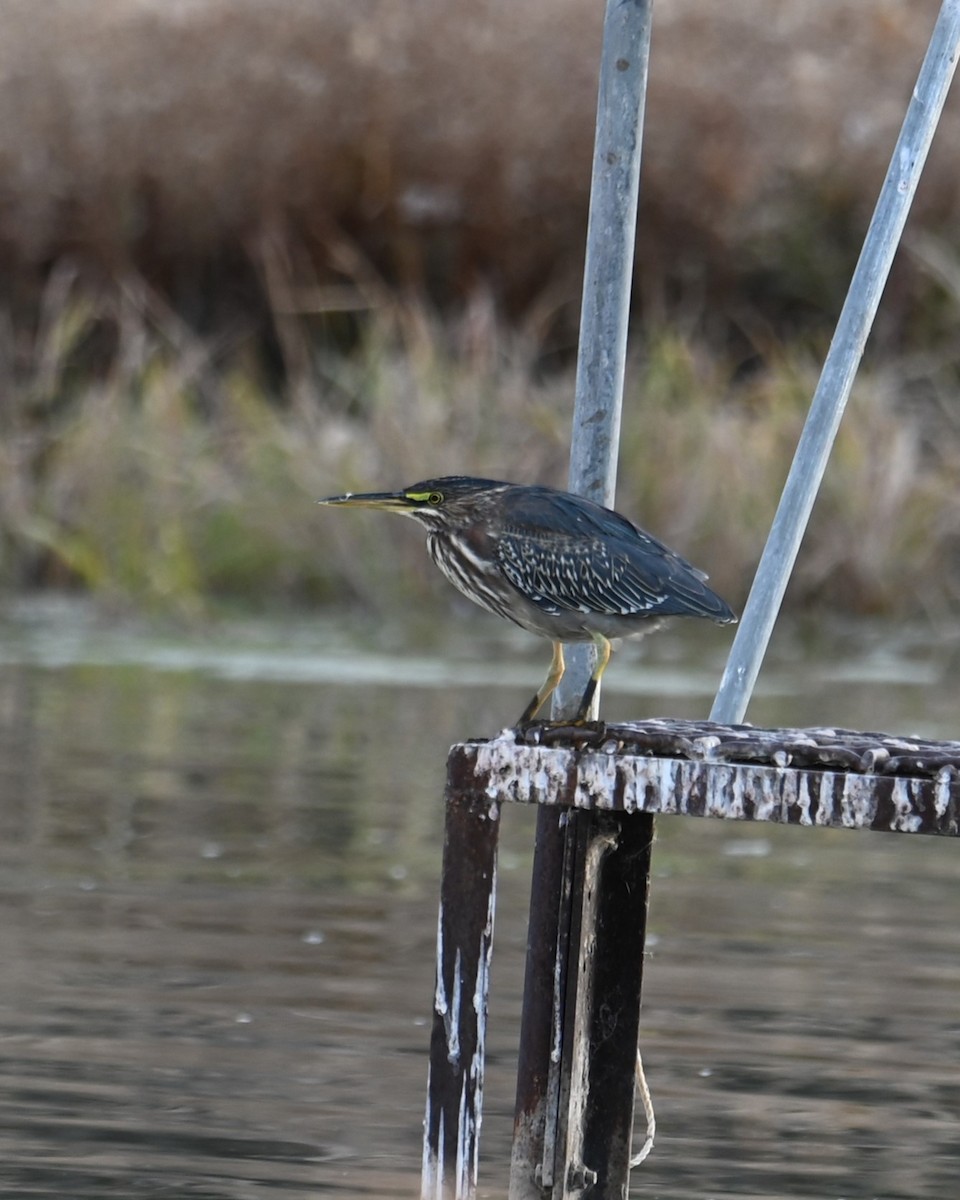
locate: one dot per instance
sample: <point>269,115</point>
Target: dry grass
<point>448,147</point>
<point>225,226</point>
<point>176,477</point>
<point>173,480</point>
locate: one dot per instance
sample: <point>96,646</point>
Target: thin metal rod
<point>608,277</point>
<point>839,369</point>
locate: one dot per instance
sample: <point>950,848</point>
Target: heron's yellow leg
<point>603,657</point>
<point>549,685</point>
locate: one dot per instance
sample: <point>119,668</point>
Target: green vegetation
<point>176,479</point>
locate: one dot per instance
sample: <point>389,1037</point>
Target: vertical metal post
<point>551,991</point>
<point>608,278</point>
<point>590,1042</point>
<point>541,1032</point>
<point>839,369</point>
<point>464,944</point>
<point>603,1035</point>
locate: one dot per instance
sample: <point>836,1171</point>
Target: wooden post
<point>464,945</point>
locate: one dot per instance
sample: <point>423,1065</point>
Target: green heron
<point>551,562</point>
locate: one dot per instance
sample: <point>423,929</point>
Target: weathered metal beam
<point>544,1000</point>
<point>603,1021</point>
<point>571,978</point>
<point>819,777</point>
<point>578,1044</point>
<point>464,946</point>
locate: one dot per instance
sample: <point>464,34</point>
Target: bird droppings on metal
<point>944,788</point>
<point>818,777</point>
<point>483,972</point>
<point>458,1035</point>
<point>449,1008</point>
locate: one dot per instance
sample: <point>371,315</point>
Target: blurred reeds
<point>176,481</point>
<point>255,251</point>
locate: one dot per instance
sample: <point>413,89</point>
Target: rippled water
<point>219,858</point>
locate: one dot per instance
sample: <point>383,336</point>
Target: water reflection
<point>218,867</point>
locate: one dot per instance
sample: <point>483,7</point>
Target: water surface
<point>219,858</point>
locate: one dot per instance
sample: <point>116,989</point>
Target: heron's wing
<point>575,557</point>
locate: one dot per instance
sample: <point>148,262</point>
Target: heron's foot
<point>535,733</point>
<point>582,720</point>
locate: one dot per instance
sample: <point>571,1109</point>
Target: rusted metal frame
<point>549,1005</point>
<point>563,997</point>
<point>579,1031</point>
<point>561,1135</point>
<point>620,928</point>
<point>707,741</point>
<point>568,1174</point>
<point>603,1010</point>
<point>541,1022</point>
<point>739,791</point>
<point>464,947</point>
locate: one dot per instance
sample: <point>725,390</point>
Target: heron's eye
<point>431,498</point>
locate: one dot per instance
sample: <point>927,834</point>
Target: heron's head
<point>447,503</point>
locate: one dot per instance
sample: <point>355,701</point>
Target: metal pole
<point>451,1127</point>
<point>608,276</point>
<point>839,369</point>
<point>552,952</point>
